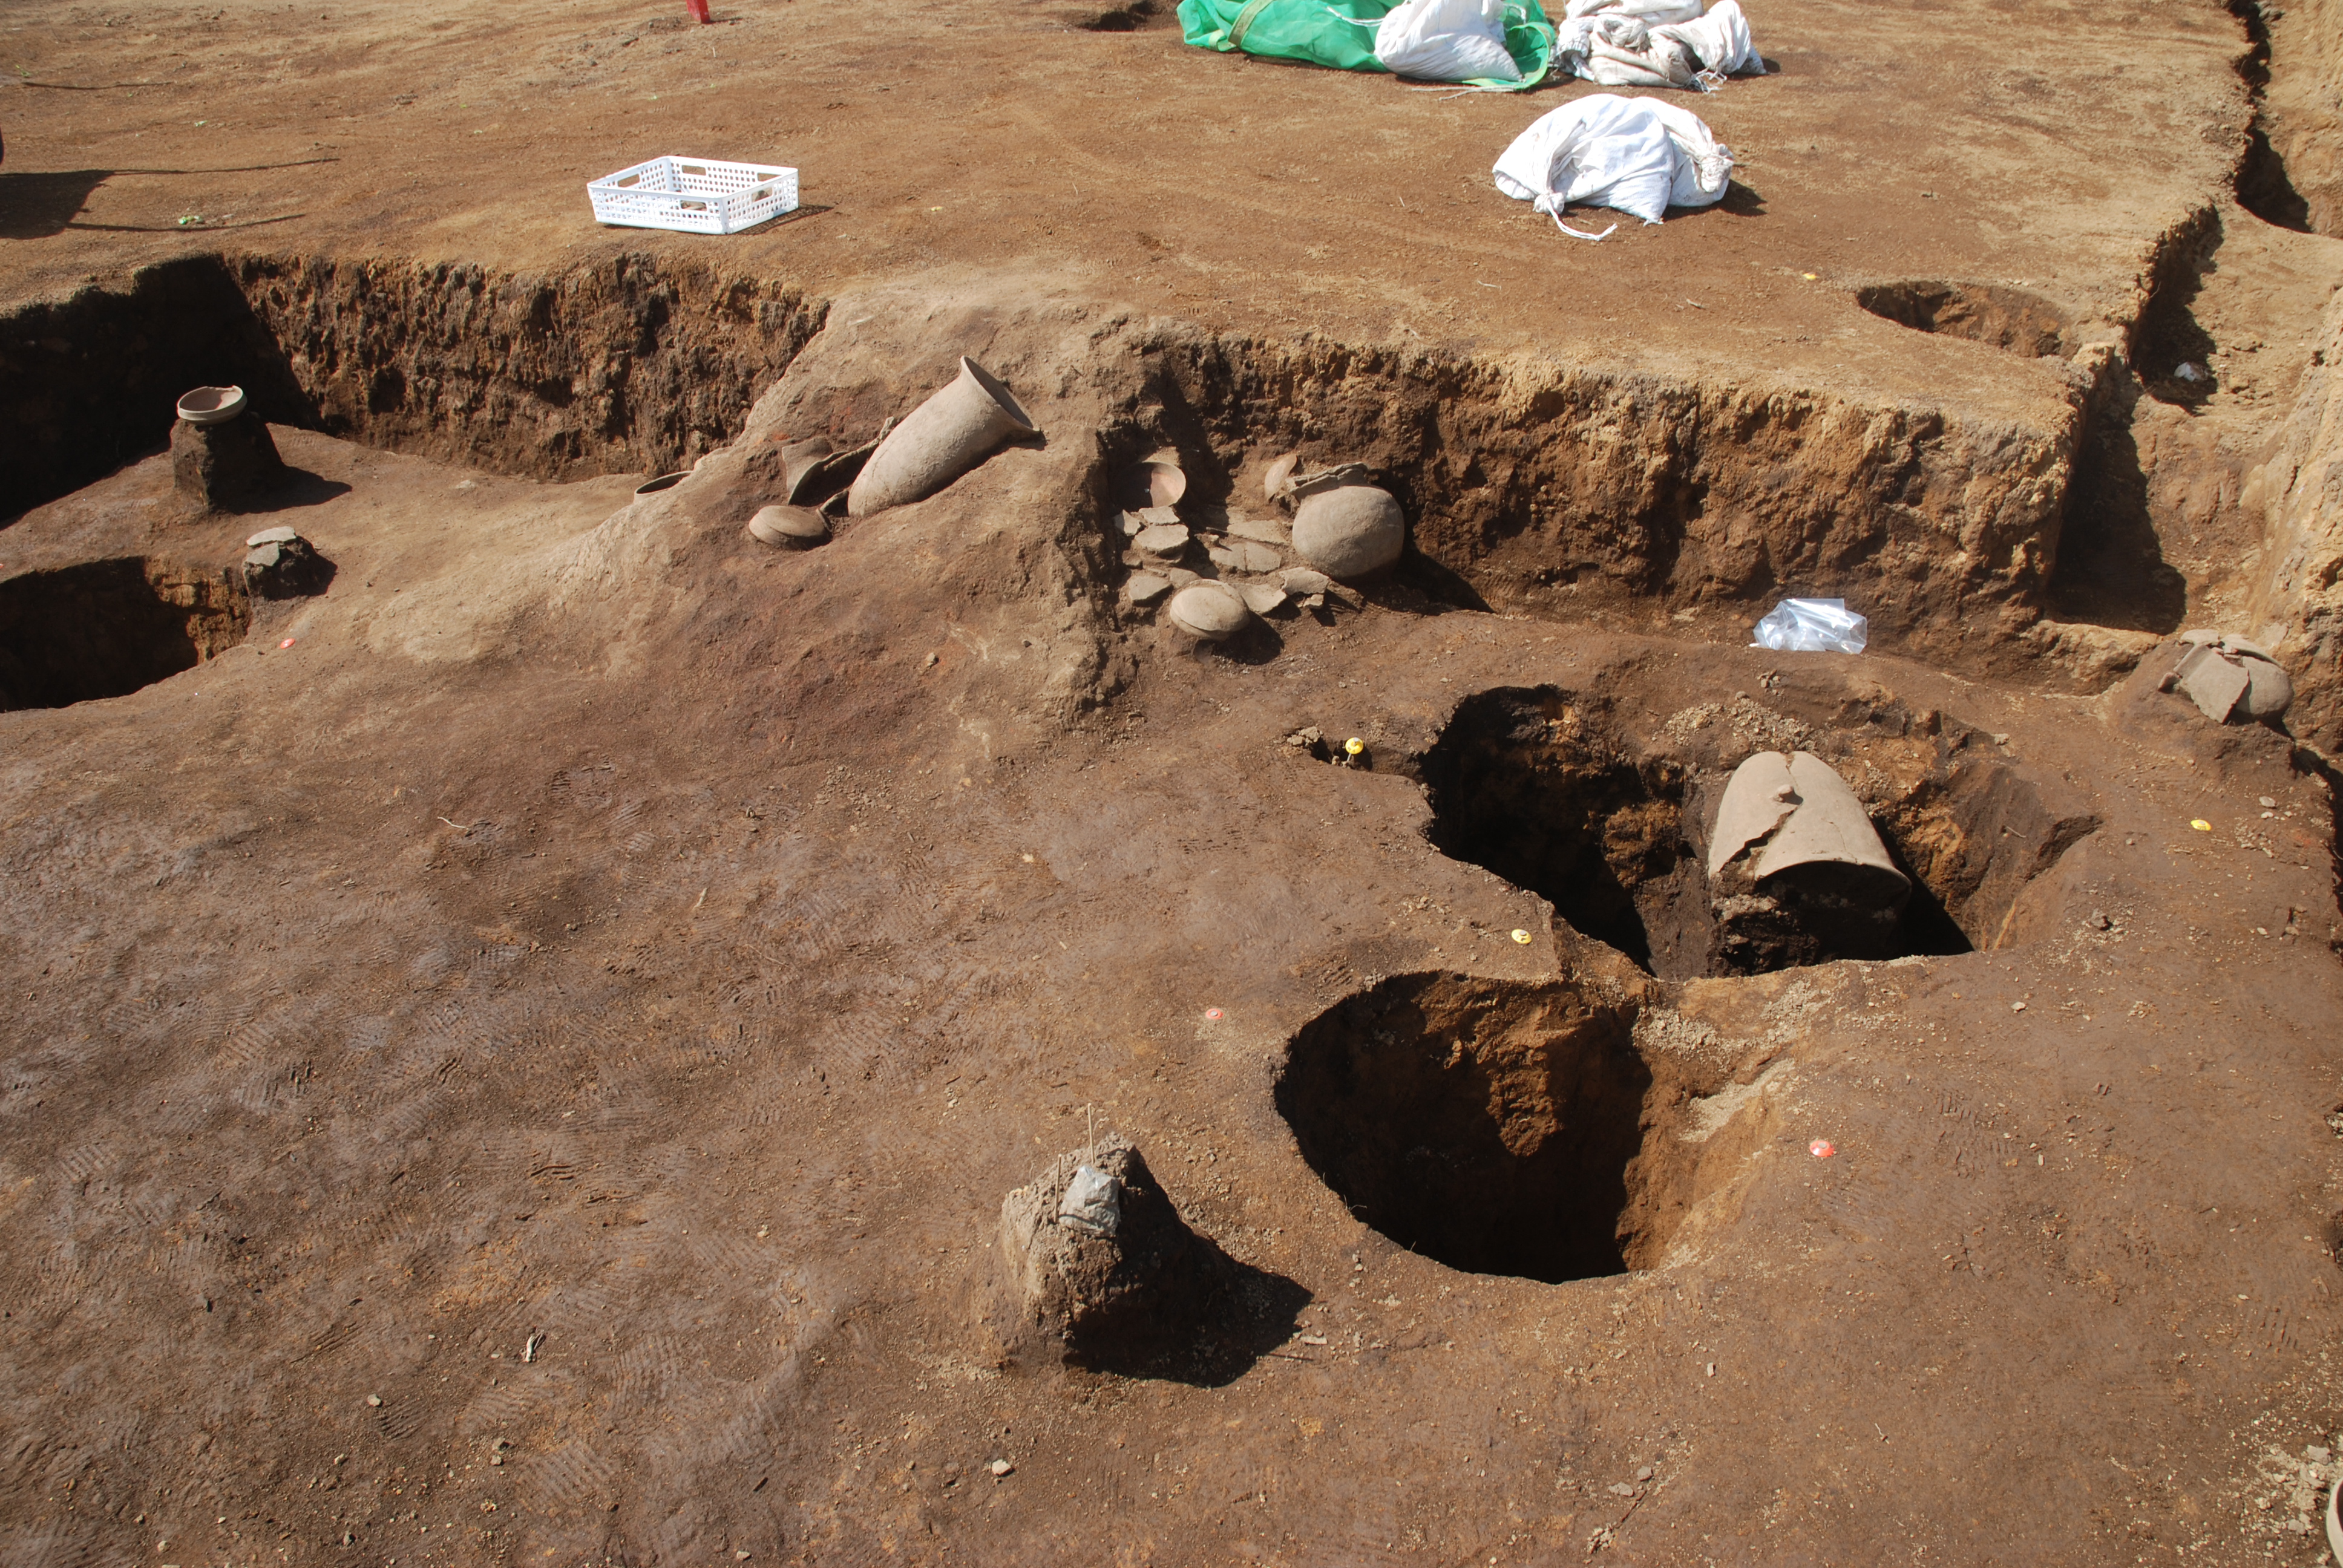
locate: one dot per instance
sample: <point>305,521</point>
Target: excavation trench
<point>1537,487</point>
<point>106,629</point>
<point>1551,790</point>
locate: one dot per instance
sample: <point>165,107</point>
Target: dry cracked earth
<point>519,1056</point>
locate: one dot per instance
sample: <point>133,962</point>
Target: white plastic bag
<point>1813,625</point>
<point>1094,1202</point>
<point>1655,43</point>
<point>1446,41</point>
<point>1638,155</point>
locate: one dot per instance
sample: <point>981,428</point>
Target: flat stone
<point>1268,530</point>
<point>1248,557</point>
<point>1165,542</point>
<point>1182,576</point>
<point>2214,683</point>
<point>1146,587</point>
<point>279,535</point>
<point>1210,610</point>
<point>1158,517</point>
<point>1129,523</point>
<point>1300,580</point>
<point>1261,598</point>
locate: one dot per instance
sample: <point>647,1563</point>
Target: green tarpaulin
<point>1329,33</point>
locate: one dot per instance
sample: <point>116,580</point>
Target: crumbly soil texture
<point>559,1031</point>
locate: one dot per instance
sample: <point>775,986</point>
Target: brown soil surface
<point>520,1058</point>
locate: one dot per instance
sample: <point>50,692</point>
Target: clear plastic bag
<point>1813,625</point>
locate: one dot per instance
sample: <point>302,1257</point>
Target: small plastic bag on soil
<point>1813,625</point>
<point>1094,1202</point>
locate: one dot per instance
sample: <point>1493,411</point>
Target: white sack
<point>1720,39</point>
<point>1637,156</point>
<point>1651,13</point>
<point>1446,41</point>
<point>1654,43</point>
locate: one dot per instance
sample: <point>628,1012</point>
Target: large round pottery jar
<point>1350,532</point>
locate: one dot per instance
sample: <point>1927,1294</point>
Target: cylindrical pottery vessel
<point>212,405</point>
<point>942,439</point>
<point>1350,532</point>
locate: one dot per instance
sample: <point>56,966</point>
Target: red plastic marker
<point>1211,1013</point>
<point>286,643</point>
<point>1820,1149</point>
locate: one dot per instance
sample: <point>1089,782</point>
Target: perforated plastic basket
<point>694,196</point>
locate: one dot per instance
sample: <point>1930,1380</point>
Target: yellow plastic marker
<point>2201,825</point>
<point>1354,746</point>
<point>1521,937</point>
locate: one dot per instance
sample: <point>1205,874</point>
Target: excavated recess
<point>1544,487</point>
<point>1548,789</point>
<point>2008,318</point>
<point>108,627</point>
<point>623,366</point>
<point>1492,1126</point>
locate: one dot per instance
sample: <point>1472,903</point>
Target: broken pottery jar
<point>221,453</point>
<point>1095,1266</point>
<point>1209,609</point>
<point>939,441</point>
<point>2230,680</point>
<point>278,563</point>
<point>789,528</point>
<point>1349,531</point>
<point>1155,480</point>
<point>1796,872</point>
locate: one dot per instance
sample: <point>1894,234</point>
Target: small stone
<point>1309,737</point>
<point>2269,800</point>
<point>1261,598</point>
<point>2018,1007</point>
<point>1129,523</point>
<point>2318,1454</point>
<point>1146,587</point>
<point>1001,1467</point>
<point>496,1459</point>
<point>2098,921</point>
<point>1165,542</point>
<point>1210,611</point>
<point>279,535</point>
<point>1303,580</point>
<point>284,565</point>
<point>1644,1474</point>
<point>375,1400</point>
<point>1621,1489</point>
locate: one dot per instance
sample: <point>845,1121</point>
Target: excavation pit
<point>1493,1127</point>
<point>2025,323</point>
<point>109,627</point>
<point>1543,788</point>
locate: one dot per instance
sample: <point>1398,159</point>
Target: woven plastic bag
<point>1343,34</point>
<point>1637,156</point>
<point>1446,41</point>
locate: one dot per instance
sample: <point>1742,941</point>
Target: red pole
<point>698,8</point>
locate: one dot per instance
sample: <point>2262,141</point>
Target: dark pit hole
<point>2008,318</point>
<point>1541,787</point>
<point>1492,1126</point>
<point>106,629</point>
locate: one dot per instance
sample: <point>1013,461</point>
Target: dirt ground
<point>519,1057</point>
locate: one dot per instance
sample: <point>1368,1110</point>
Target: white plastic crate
<point>694,196</point>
